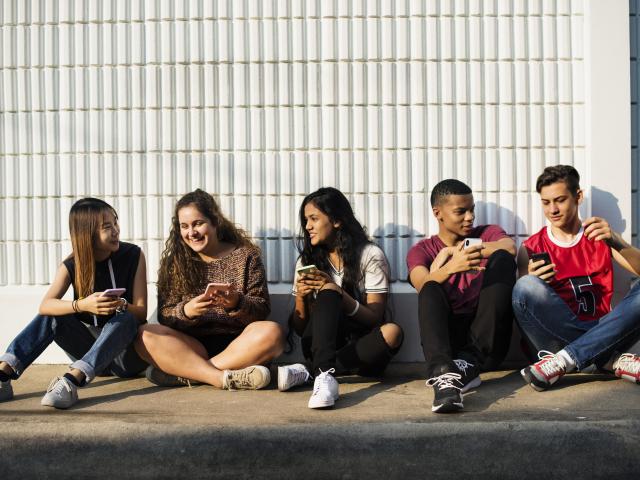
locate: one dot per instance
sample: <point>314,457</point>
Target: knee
<point>392,334</point>
<point>529,289</point>
<point>150,335</point>
<point>502,257</point>
<point>267,335</point>
<point>431,289</point>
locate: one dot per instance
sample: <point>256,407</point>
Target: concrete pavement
<point>586,425</point>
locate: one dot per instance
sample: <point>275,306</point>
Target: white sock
<point>569,364</point>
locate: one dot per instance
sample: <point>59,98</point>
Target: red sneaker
<point>628,367</point>
<point>544,373</point>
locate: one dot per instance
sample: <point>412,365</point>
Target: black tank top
<point>124,263</point>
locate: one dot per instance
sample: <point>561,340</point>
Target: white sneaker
<point>61,393</point>
<point>254,377</point>
<point>290,376</point>
<point>325,390</point>
<point>6,391</point>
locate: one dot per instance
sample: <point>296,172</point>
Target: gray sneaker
<point>250,378</point>
<point>162,379</point>
<point>6,391</point>
<point>61,393</point>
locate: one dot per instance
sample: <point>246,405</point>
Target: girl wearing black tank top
<point>94,329</point>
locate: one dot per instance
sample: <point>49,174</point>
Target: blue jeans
<point>98,350</point>
<point>549,324</point>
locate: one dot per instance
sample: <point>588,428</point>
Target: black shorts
<point>215,344</point>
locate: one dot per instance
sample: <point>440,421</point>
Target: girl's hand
<point>198,306</point>
<point>98,305</point>
<point>318,280</point>
<point>227,300</point>
<point>302,289</point>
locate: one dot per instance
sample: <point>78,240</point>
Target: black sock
<point>4,377</point>
<point>72,379</point>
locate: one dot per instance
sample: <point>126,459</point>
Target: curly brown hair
<point>181,269</point>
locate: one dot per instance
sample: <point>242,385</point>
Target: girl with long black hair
<point>341,299</point>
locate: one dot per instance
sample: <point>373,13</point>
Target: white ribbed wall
<point>634,29</point>
<point>261,102</point>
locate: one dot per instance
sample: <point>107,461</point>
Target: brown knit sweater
<point>243,268</point>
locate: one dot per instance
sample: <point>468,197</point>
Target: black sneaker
<point>470,375</point>
<point>447,396</point>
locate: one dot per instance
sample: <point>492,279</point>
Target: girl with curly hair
<point>341,299</point>
<point>216,334</point>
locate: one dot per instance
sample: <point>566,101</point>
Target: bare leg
<point>177,354</point>
<point>6,368</point>
<point>392,334</point>
<point>259,343</point>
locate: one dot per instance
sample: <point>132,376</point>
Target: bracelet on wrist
<point>123,306</point>
<point>355,310</point>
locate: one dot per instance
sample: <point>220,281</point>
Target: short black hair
<point>450,186</point>
<point>559,173</point>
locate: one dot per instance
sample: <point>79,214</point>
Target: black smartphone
<point>536,257</point>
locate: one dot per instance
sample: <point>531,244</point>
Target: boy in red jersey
<point>464,295</point>
<point>563,303</point>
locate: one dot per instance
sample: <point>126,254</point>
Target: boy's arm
<point>506,243</point>
<point>627,256</point>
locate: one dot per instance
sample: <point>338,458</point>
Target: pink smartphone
<point>113,292</point>
<point>217,289</point>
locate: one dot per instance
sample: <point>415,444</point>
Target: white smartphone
<point>306,269</point>
<point>217,289</point>
<point>471,241</point>
<point>113,292</point>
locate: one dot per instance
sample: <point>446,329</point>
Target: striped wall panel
<point>634,28</point>
<point>260,102</point>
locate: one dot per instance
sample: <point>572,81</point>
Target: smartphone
<point>471,241</point>
<point>217,289</point>
<point>113,292</point>
<point>536,257</point>
<point>306,269</point>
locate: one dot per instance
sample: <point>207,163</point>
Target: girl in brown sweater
<point>220,337</point>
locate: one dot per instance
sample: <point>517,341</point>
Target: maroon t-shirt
<point>463,289</point>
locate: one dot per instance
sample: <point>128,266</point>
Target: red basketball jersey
<point>584,273</point>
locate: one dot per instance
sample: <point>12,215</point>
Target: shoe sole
<point>322,404</point>
<point>60,407</point>
<point>533,382</point>
<point>447,407</point>
<point>472,384</point>
<point>628,378</point>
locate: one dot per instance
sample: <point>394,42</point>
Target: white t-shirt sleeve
<point>294,289</point>
<point>376,270</point>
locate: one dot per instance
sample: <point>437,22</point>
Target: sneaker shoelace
<point>323,380</point>
<point>445,381</point>
<point>550,364</point>
<point>57,385</point>
<point>301,376</point>
<point>241,378</point>
<point>629,362</point>
<point>462,365</point>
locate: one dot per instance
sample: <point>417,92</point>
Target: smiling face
<point>107,237</point>
<point>455,214</point>
<point>197,231</point>
<point>560,206</point>
<point>320,228</point>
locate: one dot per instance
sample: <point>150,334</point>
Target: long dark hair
<point>350,237</point>
<point>181,269</point>
<point>85,218</point>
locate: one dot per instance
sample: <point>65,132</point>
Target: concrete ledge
<point>586,425</point>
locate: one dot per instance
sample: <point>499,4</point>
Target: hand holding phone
<point>306,269</point>
<point>468,242</point>
<point>217,290</point>
<point>113,292</point>
<point>546,270</point>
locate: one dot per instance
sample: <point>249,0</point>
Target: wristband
<point>355,310</point>
<point>123,306</point>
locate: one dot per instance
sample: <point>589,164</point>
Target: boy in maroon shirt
<point>464,302</point>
